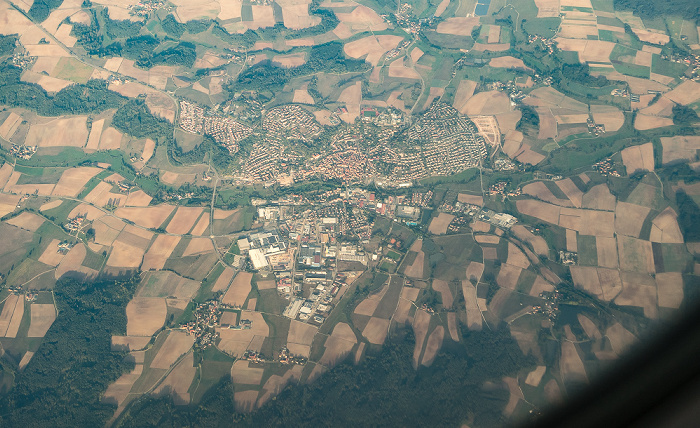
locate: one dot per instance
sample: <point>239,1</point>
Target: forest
<point>64,381</point>
<point>383,390</point>
<point>328,57</point>
<point>90,98</point>
<point>651,9</point>
<point>135,119</point>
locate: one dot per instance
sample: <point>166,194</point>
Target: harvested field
<point>516,257</point>
<point>487,239</point>
<point>150,217</point>
<point>480,226</point>
<point>638,158</point>
<point>470,199</point>
<point>686,93</point>
<point>27,221</point>
<point>5,174</point>
<point>599,198</point>
<point>635,255</point>
<point>534,377</point>
<point>72,262</point>
<point>508,276</point>
<point>443,288</point>
<point>202,226</point>
<point>433,345</point>
<point>545,212</point>
<point>369,305</point>
<point>474,271</point>
<point>125,256</point>
<point>302,96</point>
<point>548,124</point>
<point>465,90</point>
<point>362,18</point>
<point>220,214</point>
<point>27,189</point>
<point>416,268</point>
<point>301,333</point>
<point>10,125</point>
<point>571,191</point>
<point>63,132</point>
<point>401,313</point>
<point>438,226</point>
<point>129,343</point>
<point>289,61</point>
<point>73,180</point>
<point>474,319</point>
<point>538,243</point>
<point>540,285</point>
<point>178,381</point>
<point>664,228</point>
<point>102,196</point>
<point>159,252</point>
<point>610,283</point>
<point>338,344</point>
<point>508,62</point>
<point>372,48</point>
<point>680,148</point>
<point>275,384</point>
<point>458,26</point>
<point>8,203</point>
<point>547,8</point>
<point>610,117</point>
<point>653,37</point>
<point>669,289</point>
<point>16,320</point>
<point>242,373</point>
<point>638,290</point>
<point>442,7</point>
<point>235,342</point>
<point>629,218</point>
<point>589,327</point>
<point>267,284</point>
<point>245,400</point>
<point>587,279</point>
<point>620,338</point>
<point>399,69</point>
<point>42,316</point>
<point>238,292</point>
<point>51,256</point>
<point>644,122</point>
<point>223,281</point>
<point>488,103</point>
<point>452,326</point>
<point>421,322</point>
<point>7,310</point>
<point>167,284</point>
<point>107,229</point>
<point>118,391</point>
<point>572,368</point>
<point>490,253</point>
<point>183,220</point>
<point>176,344</point>
<point>145,315</point>
<point>607,252</point>
<point>352,97</point>
<point>138,198</point>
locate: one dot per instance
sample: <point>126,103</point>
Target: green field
<point>667,68</point>
<point>632,69</point>
<point>587,251</point>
